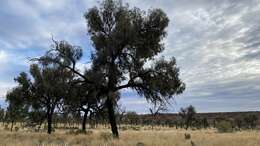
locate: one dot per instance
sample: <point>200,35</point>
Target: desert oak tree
<point>126,43</point>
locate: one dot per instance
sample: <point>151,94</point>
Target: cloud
<point>4,87</point>
<point>3,56</point>
<point>28,23</point>
<point>216,44</point>
<point>26,30</point>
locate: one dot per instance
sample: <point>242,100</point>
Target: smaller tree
<point>238,123</point>
<point>2,114</point>
<point>155,110</point>
<point>132,118</point>
<point>224,126</point>
<point>120,112</point>
<point>188,115</point>
<point>250,121</point>
<point>205,123</point>
<point>82,100</point>
<point>35,118</point>
<point>17,108</point>
<point>47,89</point>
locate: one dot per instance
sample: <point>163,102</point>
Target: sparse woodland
<point>125,40</point>
<point>57,98</point>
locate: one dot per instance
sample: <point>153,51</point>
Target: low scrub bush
<point>136,128</point>
<point>16,129</point>
<point>187,136</point>
<point>79,131</point>
<point>106,136</point>
<point>123,128</point>
<point>224,126</point>
<point>140,144</point>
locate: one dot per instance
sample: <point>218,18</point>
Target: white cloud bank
<point>216,43</point>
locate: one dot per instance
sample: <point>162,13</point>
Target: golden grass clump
<point>103,137</point>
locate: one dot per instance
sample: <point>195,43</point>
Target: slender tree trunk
<point>49,119</point>
<point>49,123</point>
<point>84,121</point>
<point>40,125</point>
<point>112,118</point>
<point>187,125</point>
<point>12,125</point>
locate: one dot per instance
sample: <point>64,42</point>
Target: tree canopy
<point>127,43</point>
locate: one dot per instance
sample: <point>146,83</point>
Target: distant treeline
<point>239,119</point>
<point>187,118</point>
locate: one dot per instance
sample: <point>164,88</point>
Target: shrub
<point>136,128</point>
<point>224,126</point>
<point>79,131</point>
<point>187,136</point>
<point>16,129</point>
<point>6,127</point>
<point>123,128</point>
<point>106,136</point>
<point>192,143</point>
<point>140,144</point>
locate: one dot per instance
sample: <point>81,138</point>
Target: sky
<point>216,45</point>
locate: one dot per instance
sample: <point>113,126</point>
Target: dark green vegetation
<point>126,43</point>
<point>224,122</point>
<point>187,118</point>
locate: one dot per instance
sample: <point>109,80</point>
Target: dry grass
<point>102,137</point>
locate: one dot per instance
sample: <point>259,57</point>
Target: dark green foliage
<point>224,126</point>
<point>125,40</point>
<point>35,117</point>
<point>47,89</point>
<point>2,114</point>
<point>17,108</point>
<point>83,99</point>
<point>131,118</point>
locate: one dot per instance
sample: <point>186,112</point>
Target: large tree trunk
<point>112,118</point>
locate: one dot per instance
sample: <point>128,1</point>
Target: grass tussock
<point>100,137</point>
